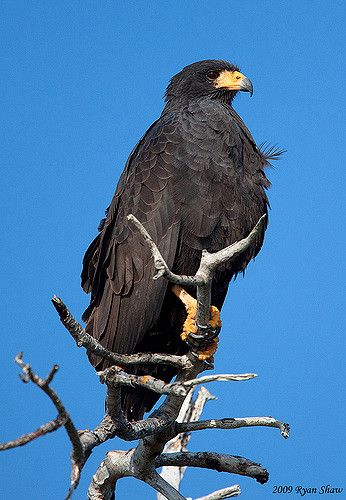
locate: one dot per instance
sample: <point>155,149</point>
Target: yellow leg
<point>190,325</point>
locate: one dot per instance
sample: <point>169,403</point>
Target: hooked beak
<point>234,80</point>
<point>246,85</point>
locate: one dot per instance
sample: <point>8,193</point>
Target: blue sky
<point>81,81</point>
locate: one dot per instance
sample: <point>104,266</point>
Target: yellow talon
<point>215,321</point>
<point>190,304</point>
<point>190,325</point>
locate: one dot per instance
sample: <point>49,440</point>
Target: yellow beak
<point>233,80</point>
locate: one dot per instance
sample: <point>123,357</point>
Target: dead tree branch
<point>235,423</point>
<point>149,451</point>
<point>216,461</point>
<point>163,436</point>
<point>77,455</point>
<point>51,426</point>
<point>231,491</point>
<point>189,412</point>
<point>119,464</point>
<point>83,339</point>
<point>115,377</point>
<point>202,280</point>
<point>29,375</point>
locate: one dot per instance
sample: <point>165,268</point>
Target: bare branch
<point>161,426</point>
<point>44,385</point>
<point>235,423</point>
<point>231,491</point>
<point>163,487</point>
<point>139,461</point>
<point>160,264</point>
<point>119,464</point>
<point>105,478</point>
<point>209,262</point>
<point>83,339</point>
<point>190,411</point>
<point>150,448</point>
<point>77,456</point>
<point>217,378</point>
<point>105,430</point>
<point>216,461</point>
<point>44,429</point>
<point>114,377</point>
<point>169,427</point>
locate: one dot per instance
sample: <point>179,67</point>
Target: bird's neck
<point>175,104</point>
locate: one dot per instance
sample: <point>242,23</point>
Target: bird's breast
<point>218,192</point>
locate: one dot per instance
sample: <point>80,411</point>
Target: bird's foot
<point>203,344</point>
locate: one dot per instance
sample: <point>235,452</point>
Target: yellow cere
<point>230,80</point>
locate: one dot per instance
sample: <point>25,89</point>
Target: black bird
<point>195,180</point>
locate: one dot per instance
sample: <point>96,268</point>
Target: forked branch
<point>51,426</point>
<point>162,431</point>
<point>63,419</point>
<point>231,491</point>
<point>202,280</point>
<point>149,452</point>
<point>83,339</point>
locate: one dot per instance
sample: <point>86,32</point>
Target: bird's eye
<point>213,74</point>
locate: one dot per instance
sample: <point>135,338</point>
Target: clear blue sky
<point>81,82</point>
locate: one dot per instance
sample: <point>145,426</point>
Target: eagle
<point>195,180</point>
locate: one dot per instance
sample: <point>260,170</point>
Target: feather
<point>195,180</point>
<point>271,152</point>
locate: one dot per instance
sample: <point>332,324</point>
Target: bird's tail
<point>136,402</point>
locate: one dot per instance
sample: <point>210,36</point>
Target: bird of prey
<point>195,180</point>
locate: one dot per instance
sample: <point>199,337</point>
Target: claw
<point>207,336</point>
<point>209,340</point>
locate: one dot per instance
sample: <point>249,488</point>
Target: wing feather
<point>195,180</point>
<point>120,313</point>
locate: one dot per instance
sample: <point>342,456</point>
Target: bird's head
<point>217,79</point>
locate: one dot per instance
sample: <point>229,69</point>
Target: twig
<point>235,423</point>
<point>162,270</point>
<point>189,412</point>
<point>114,376</point>
<point>209,262</point>
<point>231,491</point>
<point>216,461</point>
<point>44,429</point>
<point>83,339</point>
<point>226,377</point>
<point>77,456</point>
<point>163,487</point>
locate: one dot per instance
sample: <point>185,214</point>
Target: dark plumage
<point>195,180</point>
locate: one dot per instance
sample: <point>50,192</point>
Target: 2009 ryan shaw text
<point>303,490</point>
